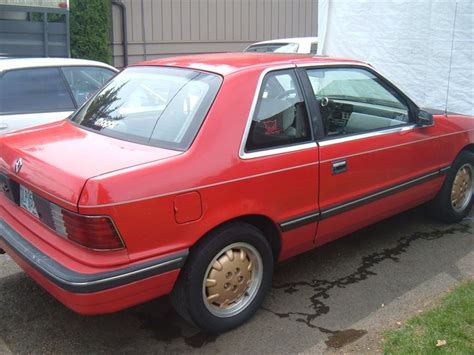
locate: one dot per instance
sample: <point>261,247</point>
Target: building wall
<point>161,28</point>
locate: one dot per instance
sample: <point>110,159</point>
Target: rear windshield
<point>152,105</point>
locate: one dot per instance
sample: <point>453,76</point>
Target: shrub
<point>89,29</point>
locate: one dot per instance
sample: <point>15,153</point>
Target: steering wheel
<point>324,101</point>
<point>285,94</point>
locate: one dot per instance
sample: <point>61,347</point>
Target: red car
<point>195,175</point>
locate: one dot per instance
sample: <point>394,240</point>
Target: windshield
<point>274,48</point>
<point>351,85</point>
<point>152,105</point>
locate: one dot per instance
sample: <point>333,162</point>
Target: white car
<point>301,45</point>
<point>35,91</point>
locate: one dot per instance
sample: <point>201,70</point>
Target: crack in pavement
<point>321,288</point>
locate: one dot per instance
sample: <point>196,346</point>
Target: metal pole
<point>123,11</point>
<point>68,37</point>
<point>45,34</point>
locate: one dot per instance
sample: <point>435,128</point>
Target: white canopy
<point>426,47</point>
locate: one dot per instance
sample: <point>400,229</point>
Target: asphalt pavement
<point>325,300</point>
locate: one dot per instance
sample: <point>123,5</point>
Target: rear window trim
<point>155,143</point>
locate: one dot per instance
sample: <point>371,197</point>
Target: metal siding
<point>24,38</point>
<point>212,10</point>
<point>176,17</point>
<point>288,18</point>
<point>147,22</point>
<point>295,17</point>
<point>160,28</point>
<point>166,19</point>
<point>252,21</point>
<point>186,20</point>
<point>203,20</point>
<point>229,20</point>
<point>281,19</point>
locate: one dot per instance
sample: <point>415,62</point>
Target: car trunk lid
<point>57,159</point>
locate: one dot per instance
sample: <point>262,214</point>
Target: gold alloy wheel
<point>232,279</point>
<point>462,189</point>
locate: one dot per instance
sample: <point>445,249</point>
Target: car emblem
<point>5,188</point>
<point>18,165</point>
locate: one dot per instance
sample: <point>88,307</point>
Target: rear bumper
<point>93,293</point>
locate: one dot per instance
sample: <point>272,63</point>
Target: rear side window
<point>280,116</point>
<point>86,81</point>
<point>34,90</point>
<point>152,105</point>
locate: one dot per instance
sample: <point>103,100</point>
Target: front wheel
<point>454,200</point>
<point>225,279</point>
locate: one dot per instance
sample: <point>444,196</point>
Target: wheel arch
<point>263,223</point>
<point>469,148</point>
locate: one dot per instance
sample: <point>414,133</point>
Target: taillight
<point>94,232</point>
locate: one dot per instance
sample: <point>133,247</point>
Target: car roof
<point>228,63</point>
<point>23,63</point>
<point>298,40</point>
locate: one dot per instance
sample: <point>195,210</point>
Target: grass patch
<point>452,321</point>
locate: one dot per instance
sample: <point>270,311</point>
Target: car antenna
<point>451,58</point>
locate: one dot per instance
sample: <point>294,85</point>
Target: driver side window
<point>353,100</point>
<point>280,116</point>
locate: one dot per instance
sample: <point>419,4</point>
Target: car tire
<point>225,279</point>
<point>454,200</point>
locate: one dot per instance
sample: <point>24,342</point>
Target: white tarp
<point>426,47</point>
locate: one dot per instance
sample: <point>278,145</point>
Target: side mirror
<point>424,119</point>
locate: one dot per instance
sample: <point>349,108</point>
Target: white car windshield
<point>274,48</point>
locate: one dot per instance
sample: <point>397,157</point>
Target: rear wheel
<point>225,278</point>
<point>454,200</point>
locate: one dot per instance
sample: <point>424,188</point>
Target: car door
<point>374,160</point>
<point>280,151</point>
<point>33,96</point>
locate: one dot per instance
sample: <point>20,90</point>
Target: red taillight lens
<point>94,232</point>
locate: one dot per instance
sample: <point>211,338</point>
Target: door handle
<point>3,126</point>
<point>339,167</point>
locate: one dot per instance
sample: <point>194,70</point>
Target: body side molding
<point>314,216</point>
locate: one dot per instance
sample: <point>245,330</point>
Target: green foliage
<point>450,325</point>
<point>89,29</point>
